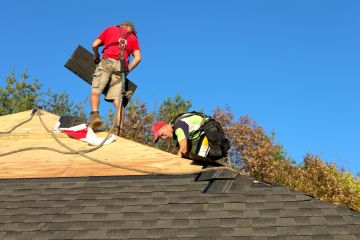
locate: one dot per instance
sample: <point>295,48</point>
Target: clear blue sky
<point>293,66</point>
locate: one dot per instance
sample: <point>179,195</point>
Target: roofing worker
<point>199,136</point>
<point>108,69</point>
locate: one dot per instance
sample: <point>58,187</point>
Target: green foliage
<point>18,96</point>
<point>23,95</point>
<point>172,107</point>
<point>281,154</point>
<point>60,104</point>
<point>137,122</point>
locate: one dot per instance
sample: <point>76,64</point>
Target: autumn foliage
<point>252,149</point>
<point>257,153</point>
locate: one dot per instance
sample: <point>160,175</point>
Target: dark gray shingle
<point>167,207</point>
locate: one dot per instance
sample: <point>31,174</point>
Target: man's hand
<point>135,61</point>
<point>96,60</point>
<point>128,94</point>
<point>95,47</point>
<point>183,147</point>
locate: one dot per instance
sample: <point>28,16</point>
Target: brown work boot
<point>119,131</point>
<point>95,121</point>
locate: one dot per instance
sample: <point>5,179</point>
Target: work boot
<point>120,131</point>
<point>95,121</point>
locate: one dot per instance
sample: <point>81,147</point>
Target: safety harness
<point>122,45</point>
<point>219,144</point>
<point>122,42</point>
<point>189,114</point>
<point>123,72</point>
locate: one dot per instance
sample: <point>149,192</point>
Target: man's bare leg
<point>94,100</point>
<point>95,120</point>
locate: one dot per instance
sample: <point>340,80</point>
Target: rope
<point>21,123</point>
<point>121,166</point>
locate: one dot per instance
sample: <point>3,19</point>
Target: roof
<point>42,163</point>
<point>47,195</point>
<point>216,205</point>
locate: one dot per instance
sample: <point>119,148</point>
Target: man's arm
<point>135,61</point>
<point>183,147</point>
<point>95,47</point>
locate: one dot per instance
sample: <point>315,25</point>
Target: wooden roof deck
<point>44,163</point>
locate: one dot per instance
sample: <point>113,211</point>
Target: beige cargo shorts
<point>108,72</point>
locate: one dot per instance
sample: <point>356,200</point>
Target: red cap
<point>155,129</point>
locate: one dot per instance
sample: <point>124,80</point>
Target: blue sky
<point>293,66</point>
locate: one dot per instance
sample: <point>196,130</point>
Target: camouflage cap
<point>129,24</point>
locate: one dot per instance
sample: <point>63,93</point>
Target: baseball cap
<point>155,129</point>
<point>129,24</point>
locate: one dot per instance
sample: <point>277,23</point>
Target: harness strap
<point>205,120</point>
<point>188,114</point>
<point>117,43</point>
<point>123,42</point>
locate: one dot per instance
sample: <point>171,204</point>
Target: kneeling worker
<point>199,136</point>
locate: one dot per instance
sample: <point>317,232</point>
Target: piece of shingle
<point>264,222</point>
<point>218,186</point>
<point>270,213</point>
<point>284,222</point>
<point>325,229</point>
<point>10,235</point>
<point>353,229</point>
<point>301,212</point>
<point>90,234</point>
<point>241,184</point>
<point>243,231</point>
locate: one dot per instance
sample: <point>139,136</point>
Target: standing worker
<point>119,42</point>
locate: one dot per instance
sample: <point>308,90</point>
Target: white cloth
<point>84,133</point>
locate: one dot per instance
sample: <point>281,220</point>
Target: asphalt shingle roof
<point>216,205</point>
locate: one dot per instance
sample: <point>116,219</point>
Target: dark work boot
<point>95,121</point>
<point>119,131</point>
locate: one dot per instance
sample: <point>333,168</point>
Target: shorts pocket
<point>96,79</point>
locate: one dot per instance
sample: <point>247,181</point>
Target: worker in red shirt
<point>108,68</point>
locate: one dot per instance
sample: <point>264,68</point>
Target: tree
<point>60,104</point>
<point>251,148</point>
<point>267,161</point>
<point>171,107</point>
<point>138,123</point>
<point>18,96</point>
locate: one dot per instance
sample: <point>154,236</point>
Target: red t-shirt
<point>110,39</point>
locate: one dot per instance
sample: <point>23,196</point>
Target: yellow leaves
<point>263,159</point>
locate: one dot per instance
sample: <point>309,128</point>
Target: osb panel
<point>44,163</point>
